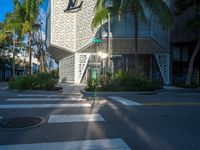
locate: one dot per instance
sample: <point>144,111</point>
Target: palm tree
<point>24,20</point>
<point>137,8</point>
<point>101,14</point>
<point>41,50</point>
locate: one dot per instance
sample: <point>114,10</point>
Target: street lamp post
<point>102,56</point>
<point>109,6</point>
<point>97,49</point>
<point>14,54</point>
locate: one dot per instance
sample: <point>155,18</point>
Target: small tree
<point>193,24</point>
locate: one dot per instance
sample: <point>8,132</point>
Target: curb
<point>182,90</point>
<point>105,93</point>
<point>140,93</point>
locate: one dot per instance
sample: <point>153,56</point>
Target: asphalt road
<point>165,121</point>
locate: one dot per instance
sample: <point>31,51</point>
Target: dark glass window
<point>176,54</point>
<point>185,54</point>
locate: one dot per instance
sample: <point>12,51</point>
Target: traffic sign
<point>95,40</point>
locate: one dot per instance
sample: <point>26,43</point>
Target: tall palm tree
<point>24,19</point>
<point>41,50</point>
<point>137,8</point>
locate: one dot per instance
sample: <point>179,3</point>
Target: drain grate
<point>23,122</point>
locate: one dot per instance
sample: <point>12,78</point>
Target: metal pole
<point>109,52</point>
<point>96,58</point>
<point>14,54</point>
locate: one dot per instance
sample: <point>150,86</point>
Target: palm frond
<point>100,17</point>
<point>161,11</point>
<point>26,28</point>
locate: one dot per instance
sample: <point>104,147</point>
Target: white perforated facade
<point>70,31</point>
<point>67,33</point>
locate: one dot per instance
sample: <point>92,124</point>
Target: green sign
<point>94,40</point>
<point>94,74</point>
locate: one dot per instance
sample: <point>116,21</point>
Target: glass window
<point>185,54</point>
<point>176,54</point>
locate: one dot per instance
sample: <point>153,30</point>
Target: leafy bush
<point>92,84</point>
<point>191,86</point>
<point>124,81</point>
<point>181,83</point>
<point>44,81</point>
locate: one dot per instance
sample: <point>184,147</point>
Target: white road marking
<point>1,117</point>
<point>38,95</point>
<point>4,88</point>
<point>16,106</point>
<point>75,118</point>
<point>102,144</point>
<point>45,99</point>
<point>124,101</point>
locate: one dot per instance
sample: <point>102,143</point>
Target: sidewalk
<point>177,89</point>
<point>69,88</point>
<point>3,85</point>
<point>169,89</point>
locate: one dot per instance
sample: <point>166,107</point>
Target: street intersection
<point>167,121</point>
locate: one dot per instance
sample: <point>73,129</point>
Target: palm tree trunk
<point>30,54</point>
<point>191,64</point>
<point>136,45</point>
<point>42,63</point>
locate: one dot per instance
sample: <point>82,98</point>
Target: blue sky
<point>7,6</point>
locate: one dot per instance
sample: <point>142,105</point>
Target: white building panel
<point>67,70</point>
<point>163,61</point>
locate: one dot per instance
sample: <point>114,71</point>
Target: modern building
<point>183,42</point>
<point>70,36</point>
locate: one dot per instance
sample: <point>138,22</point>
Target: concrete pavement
<point>164,120</point>
<point>69,88</point>
<point>113,124</point>
<point>3,85</point>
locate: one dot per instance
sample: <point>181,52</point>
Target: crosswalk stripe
<point>1,117</point>
<point>101,144</point>
<point>75,118</point>
<point>38,95</point>
<point>16,106</point>
<point>45,99</point>
<point>124,101</point>
<point>3,88</point>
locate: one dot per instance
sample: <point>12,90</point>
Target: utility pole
<point>97,47</point>
<point>109,52</point>
<point>109,6</point>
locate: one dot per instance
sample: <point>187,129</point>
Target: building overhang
<point>127,46</point>
<point>58,53</point>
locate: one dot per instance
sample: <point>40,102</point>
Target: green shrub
<point>124,81</point>
<point>44,81</point>
<point>181,84</point>
<point>191,86</point>
<point>92,84</point>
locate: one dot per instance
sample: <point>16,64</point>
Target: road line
<point>171,104</point>
<point>103,144</point>
<point>45,99</point>
<point>4,88</point>
<point>124,101</point>
<point>42,106</point>
<point>1,117</point>
<point>75,118</point>
<point>38,95</point>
